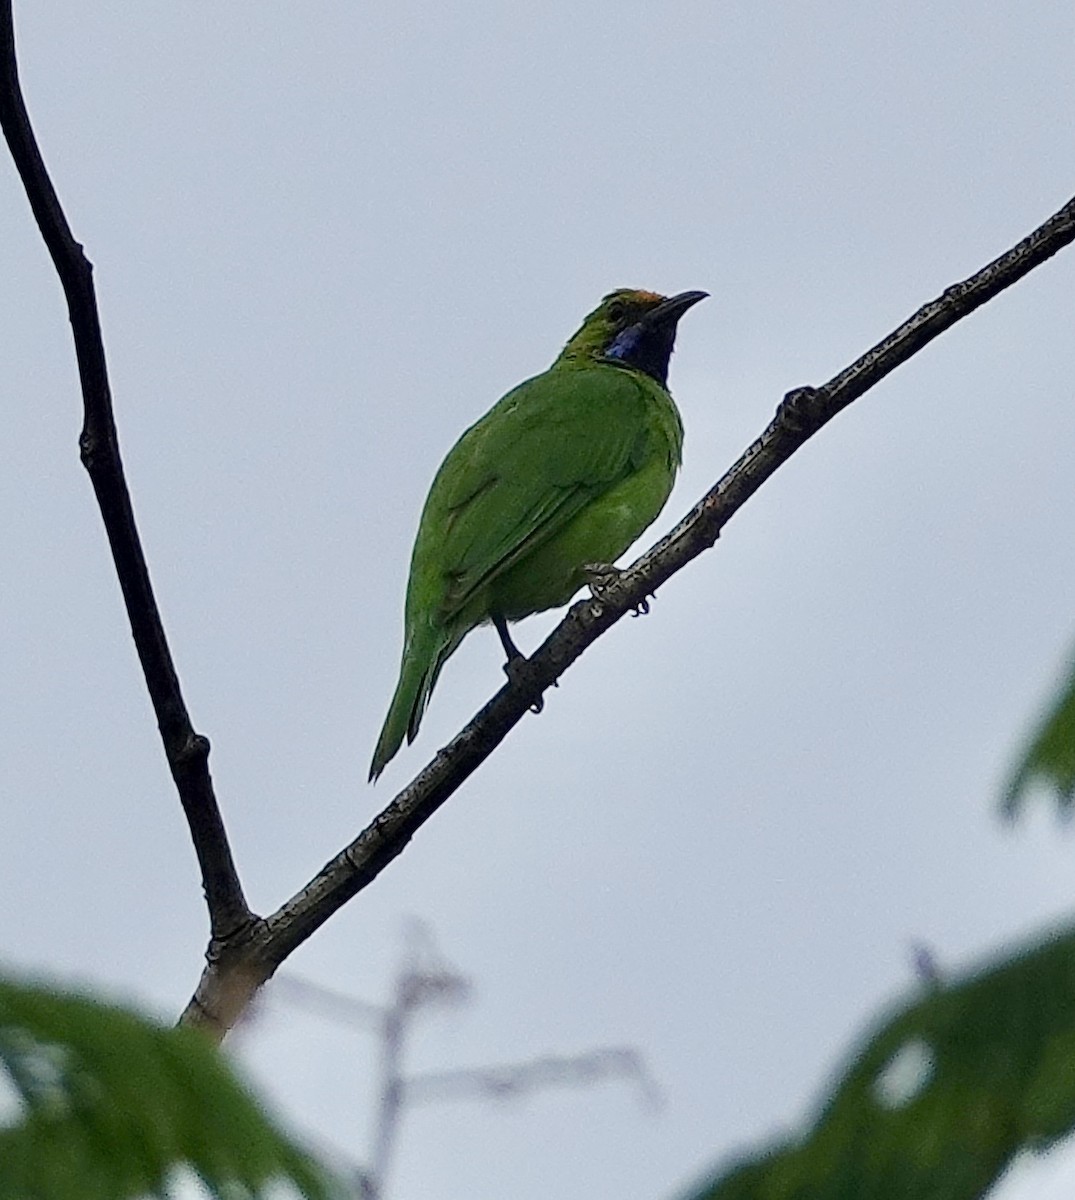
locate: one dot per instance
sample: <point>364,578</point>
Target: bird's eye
<point>616,310</point>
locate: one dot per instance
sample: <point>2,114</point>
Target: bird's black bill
<point>669,311</point>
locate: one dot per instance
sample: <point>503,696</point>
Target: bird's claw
<point>603,578</point>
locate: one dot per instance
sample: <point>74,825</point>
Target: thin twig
<point>427,979</point>
<point>325,1002</point>
<point>511,1080</point>
<point>187,751</point>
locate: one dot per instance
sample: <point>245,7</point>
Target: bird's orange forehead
<point>635,296</point>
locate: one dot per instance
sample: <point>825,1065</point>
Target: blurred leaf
<point>103,1105</point>
<point>1050,757</point>
<point>941,1098</point>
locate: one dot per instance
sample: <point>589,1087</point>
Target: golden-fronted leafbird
<point>558,477</point>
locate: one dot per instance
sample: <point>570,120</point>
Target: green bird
<point>553,484</point>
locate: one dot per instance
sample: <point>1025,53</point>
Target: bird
<point>542,494</point>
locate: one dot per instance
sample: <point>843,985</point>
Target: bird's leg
<point>510,649</point>
<point>602,579</point>
<point>517,666</point>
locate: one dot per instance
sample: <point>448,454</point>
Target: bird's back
<point>567,469</point>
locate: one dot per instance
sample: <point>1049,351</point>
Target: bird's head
<point>637,329</point>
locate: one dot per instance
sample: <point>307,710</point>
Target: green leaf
<point>110,1105</point>
<point>1050,757</point>
<point>941,1097</point>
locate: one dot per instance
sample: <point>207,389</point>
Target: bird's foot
<point>519,673</point>
<point>517,667</point>
<point>800,410</point>
<point>603,579</point>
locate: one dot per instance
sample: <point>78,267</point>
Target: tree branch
<point>798,417</point>
<point>187,752</point>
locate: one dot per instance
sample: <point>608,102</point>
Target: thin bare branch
<point>425,980</point>
<point>187,752</point>
<point>512,1080</point>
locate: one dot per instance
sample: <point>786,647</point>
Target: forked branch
<point>245,951</point>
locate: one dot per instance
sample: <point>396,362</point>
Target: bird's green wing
<point>525,469</point>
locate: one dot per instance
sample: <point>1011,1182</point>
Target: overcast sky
<point>327,237</point>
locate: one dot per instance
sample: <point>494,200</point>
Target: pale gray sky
<point>327,237</point>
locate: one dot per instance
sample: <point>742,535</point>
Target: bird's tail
<point>423,656</point>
